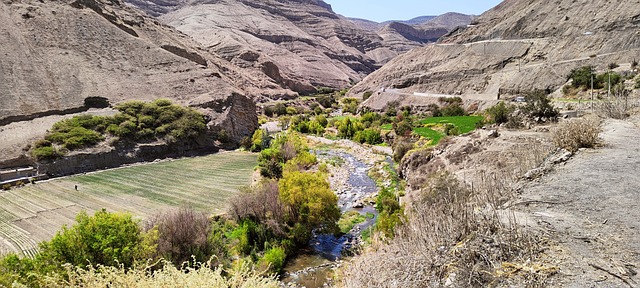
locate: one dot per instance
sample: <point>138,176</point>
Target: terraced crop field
<point>31,214</point>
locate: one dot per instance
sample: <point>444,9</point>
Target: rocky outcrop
<point>517,46</point>
<point>64,57</point>
<point>305,42</point>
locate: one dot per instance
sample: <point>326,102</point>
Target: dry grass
<point>459,234</point>
<point>453,236</point>
<point>168,276</point>
<point>577,133</point>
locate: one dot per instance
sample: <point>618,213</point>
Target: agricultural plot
<point>431,126</point>
<point>31,214</point>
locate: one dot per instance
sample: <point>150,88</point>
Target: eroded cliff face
<point>517,46</point>
<point>305,40</point>
<point>57,54</point>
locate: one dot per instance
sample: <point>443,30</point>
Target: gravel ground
<point>589,208</point>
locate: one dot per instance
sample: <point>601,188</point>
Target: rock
<point>105,50</point>
<point>493,134</point>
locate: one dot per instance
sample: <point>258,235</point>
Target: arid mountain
<point>409,34</point>
<point>517,46</point>
<point>449,20</point>
<point>302,44</point>
<point>56,54</point>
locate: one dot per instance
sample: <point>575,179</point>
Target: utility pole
<point>609,88</point>
<point>592,92</point>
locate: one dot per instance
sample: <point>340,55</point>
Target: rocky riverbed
<point>349,164</point>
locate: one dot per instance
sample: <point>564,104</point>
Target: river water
<point>314,266</point>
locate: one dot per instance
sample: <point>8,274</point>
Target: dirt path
<point>590,208</point>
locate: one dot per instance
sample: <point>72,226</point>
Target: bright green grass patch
<point>342,117</point>
<point>349,220</point>
<point>434,135</point>
<point>386,127</point>
<point>464,124</point>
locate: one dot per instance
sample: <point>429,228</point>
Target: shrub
<point>613,65</point>
<point>105,238</point>
<point>183,237</point>
<point>350,105</point>
<point>348,127</point>
<point>581,77</point>
<point>539,106</point>
<point>403,127</point>
<point>310,201</point>
<point>401,148</point>
<point>453,110</point>
<point>326,101</point>
<point>604,79</point>
<point>207,275</point>
<point>46,153</point>
<point>637,85</point>
<point>6,187</point>
<point>500,112</point>
<point>275,259</point>
<point>370,136</point>
<point>366,95</point>
<point>576,133</point>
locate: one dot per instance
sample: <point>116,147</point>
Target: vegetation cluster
<point>136,122</point>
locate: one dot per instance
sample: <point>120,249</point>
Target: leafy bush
<point>350,105</point>
<point>576,133</point>
<point>310,201</point>
<point>105,238</point>
<point>366,95</point>
<point>6,186</point>
<point>370,136</point>
<point>275,259</point>
<point>326,101</point>
<point>46,153</point>
<point>401,148</point>
<point>136,121</point>
<point>348,127</point>
<point>604,79</point>
<point>539,106</point>
<point>581,77</point>
<point>500,112</point>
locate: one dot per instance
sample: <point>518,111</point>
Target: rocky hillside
<point>301,44</point>
<point>58,57</point>
<point>517,46</point>
<point>413,33</point>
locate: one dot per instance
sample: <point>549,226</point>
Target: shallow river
<point>313,267</point>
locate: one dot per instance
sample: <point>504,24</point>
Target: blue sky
<point>382,10</point>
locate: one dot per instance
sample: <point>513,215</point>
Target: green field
<point>34,213</point>
<point>465,124</point>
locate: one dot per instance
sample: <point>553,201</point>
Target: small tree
<point>110,239</point>
<point>500,112</point>
<point>539,106</point>
<point>309,200</point>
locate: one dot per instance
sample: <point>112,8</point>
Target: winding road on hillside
<point>590,209</point>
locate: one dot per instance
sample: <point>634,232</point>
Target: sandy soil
<point>588,208</point>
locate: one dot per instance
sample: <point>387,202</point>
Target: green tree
<point>581,77</point>
<point>309,200</point>
<point>539,106</point>
<point>105,238</point>
<point>500,112</point>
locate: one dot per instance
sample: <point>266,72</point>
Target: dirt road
<point>590,209</point>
